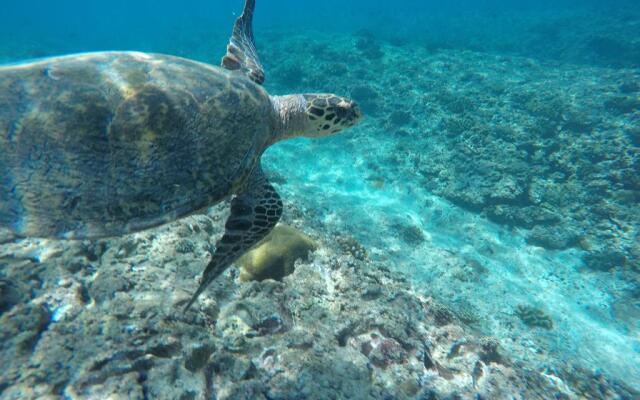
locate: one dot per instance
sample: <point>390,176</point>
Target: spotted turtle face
<point>329,114</point>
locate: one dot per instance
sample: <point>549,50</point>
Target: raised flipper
<point>254,212</point>
<point>241,51</point>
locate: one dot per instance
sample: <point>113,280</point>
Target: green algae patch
<point>274,257</point>
<point>533,317</point>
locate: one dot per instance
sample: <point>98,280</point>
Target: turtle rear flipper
<point>254,212</point>
<point>241,51</point>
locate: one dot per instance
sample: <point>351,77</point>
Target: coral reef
<point>330,329</point>
<point>350,245</point>
<point>369,47</point>
<point>274,256</point>
<point>533,146</point>
<point>605,260</point>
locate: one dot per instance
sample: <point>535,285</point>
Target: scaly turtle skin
<point>102,144</point>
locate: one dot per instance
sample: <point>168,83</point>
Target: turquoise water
<point>497,167</point>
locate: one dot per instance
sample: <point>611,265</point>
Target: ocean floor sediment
<point>104,319</point>
<point>540,154</point>
<point>523,172</point>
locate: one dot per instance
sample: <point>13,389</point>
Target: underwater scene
<point>276,200</point>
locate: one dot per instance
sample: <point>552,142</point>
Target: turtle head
<point>328,114</point>
<point>314,115</point>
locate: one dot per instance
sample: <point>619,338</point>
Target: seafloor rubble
<point>104,320</point>
<point>548,151</point>
<point>551,148</point>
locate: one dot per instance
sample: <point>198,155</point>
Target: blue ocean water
<point>497,166</point>
<point>38,28</point>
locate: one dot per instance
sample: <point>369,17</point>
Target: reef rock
<point>275,255</point>
<point>335,327</point>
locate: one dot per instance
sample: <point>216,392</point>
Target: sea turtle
<point>102,144</point>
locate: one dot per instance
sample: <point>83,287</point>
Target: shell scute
<point>107,143</point>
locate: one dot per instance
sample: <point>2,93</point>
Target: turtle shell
<point>103,144</point>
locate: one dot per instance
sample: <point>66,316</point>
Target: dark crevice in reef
<point>3,387</point>
<point>343,335</point>
<point>30,343</point>
<point>427,359</point>
<point>124,363</point>
<point>142,379</point>
<point>198,358</point>
<point>209,389</point>
<point>120,356</point>
<point>165,350</point>
<point>59,387</point>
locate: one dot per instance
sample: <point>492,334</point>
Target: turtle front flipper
<point>241,51</point>
<point>254,212</point>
